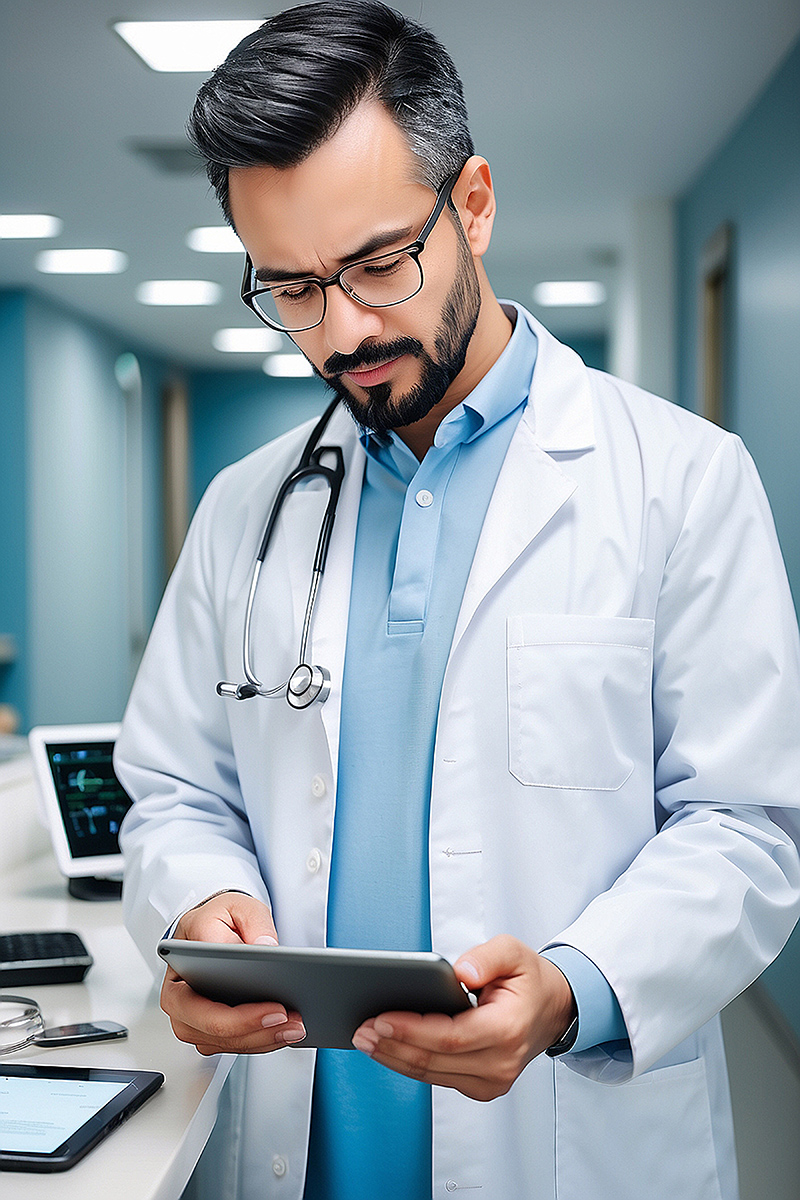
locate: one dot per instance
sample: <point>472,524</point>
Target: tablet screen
<point>38,1115</point>
<point>51,1116</point>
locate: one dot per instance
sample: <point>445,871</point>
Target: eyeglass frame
<point>30,1017</point>
<point>414,250</point>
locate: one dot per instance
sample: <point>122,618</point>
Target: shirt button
<point>424,498</point>
<point>279,1165</point>
<point>318,786</point>
<point>314,861</point>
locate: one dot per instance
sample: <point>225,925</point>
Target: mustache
<point>370,355</point>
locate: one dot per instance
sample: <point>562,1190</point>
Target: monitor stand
<point>89,887</point>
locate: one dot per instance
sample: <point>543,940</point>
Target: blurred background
<point>646,152</point>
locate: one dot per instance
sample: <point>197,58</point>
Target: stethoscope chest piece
<point>308,685</point>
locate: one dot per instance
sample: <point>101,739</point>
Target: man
<point>560,742</point>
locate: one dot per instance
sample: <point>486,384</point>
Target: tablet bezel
<point>40,737</point>
<point>140,1085</point>
<point>334,990</point>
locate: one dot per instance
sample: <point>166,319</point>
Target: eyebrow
<point>379,241</point>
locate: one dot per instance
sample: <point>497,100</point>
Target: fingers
<point>440,1058</point>
<point>524,1002</point>
<point>229,917</point>
<point>221,1028</point>
<point>224,1029</point>
<point>500,957</point>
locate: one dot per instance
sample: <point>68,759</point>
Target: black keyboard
<point>47,957</point>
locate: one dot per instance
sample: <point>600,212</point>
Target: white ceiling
<point>583,107</point>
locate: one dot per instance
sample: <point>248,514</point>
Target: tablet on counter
<point>334,990</point>
<point>50,1117</point>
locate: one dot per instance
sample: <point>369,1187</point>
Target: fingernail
<point>290,1035</point>
<point>365,1040</point>
<point>382,1028</point>
<point>467,969</point>
<point>265,939</point>
<point>274,1019</point>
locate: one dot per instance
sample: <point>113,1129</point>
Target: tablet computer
<point>83,801</point>
<point>334,990</point>
<point>50,1117</point>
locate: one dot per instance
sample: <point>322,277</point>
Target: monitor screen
<point>91,798</point>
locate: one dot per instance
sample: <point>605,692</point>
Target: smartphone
<point>73,1035</point>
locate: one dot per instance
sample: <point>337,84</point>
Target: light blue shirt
<point>418,527</point>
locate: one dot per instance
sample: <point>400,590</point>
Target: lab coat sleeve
<point>187,834</point>
<point>710,900</point>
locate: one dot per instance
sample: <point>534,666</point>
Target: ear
<point>474,198</point>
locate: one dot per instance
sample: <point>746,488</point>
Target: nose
<point>348,323</point>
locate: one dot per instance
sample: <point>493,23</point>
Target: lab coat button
<point>279,1165</point>
<point>424,498</point>
<point>451,1186</point>
<point>318,787</point>
<point>314,861</point>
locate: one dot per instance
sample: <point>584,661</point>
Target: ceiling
<point>582,107</point>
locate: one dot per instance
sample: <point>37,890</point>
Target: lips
<point>369,376</point>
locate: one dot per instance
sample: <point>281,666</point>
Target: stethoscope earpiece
<point>237,691</point>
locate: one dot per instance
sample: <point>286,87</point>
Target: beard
<point>383,410</point>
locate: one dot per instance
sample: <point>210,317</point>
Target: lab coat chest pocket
<point>579,705</point>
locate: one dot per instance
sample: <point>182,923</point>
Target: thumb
<point>253,921</point>
<point>498,958</point>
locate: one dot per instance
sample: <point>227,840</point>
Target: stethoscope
<point>306,684</point>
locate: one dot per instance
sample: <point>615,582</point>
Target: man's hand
<point>219,1028</point>
<point>525,1005</point>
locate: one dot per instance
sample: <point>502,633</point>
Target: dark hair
<point>287,88</point>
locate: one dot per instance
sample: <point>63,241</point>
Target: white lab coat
<point>627,605</point>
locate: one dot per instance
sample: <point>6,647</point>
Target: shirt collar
<point>503,388</point>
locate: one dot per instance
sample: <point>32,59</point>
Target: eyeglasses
<point>21,1023</point>
<point>380,282</point>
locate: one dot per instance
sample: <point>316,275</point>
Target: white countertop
<point>151,1156</point>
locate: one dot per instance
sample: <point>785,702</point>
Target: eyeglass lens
<point>378,283</point>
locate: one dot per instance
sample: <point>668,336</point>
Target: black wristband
<point>566,1041</point>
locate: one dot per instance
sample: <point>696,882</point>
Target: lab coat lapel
<point>532,487</point>
<point>329,628</point>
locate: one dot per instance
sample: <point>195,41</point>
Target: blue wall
<point>593,349</point>
<point>13,509</point>
<point>63,593</point>
<point>754,182</point>
<point>234,412</point>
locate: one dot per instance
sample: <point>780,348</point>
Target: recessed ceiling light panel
<point>29,225</point>
<point>183,45</point>
<point>214,239</point>
<point>178,292</point>
<point>247,341</point>
<point>81,262</point>
<point>287,366</point>
<point>568,293</point>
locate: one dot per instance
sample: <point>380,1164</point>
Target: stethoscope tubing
<point>306,684</point>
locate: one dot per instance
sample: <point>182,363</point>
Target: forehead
<point>364,179</point>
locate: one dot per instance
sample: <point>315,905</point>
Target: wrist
<point>565,1025</point>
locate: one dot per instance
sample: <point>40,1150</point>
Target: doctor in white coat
<point>616,765</point>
